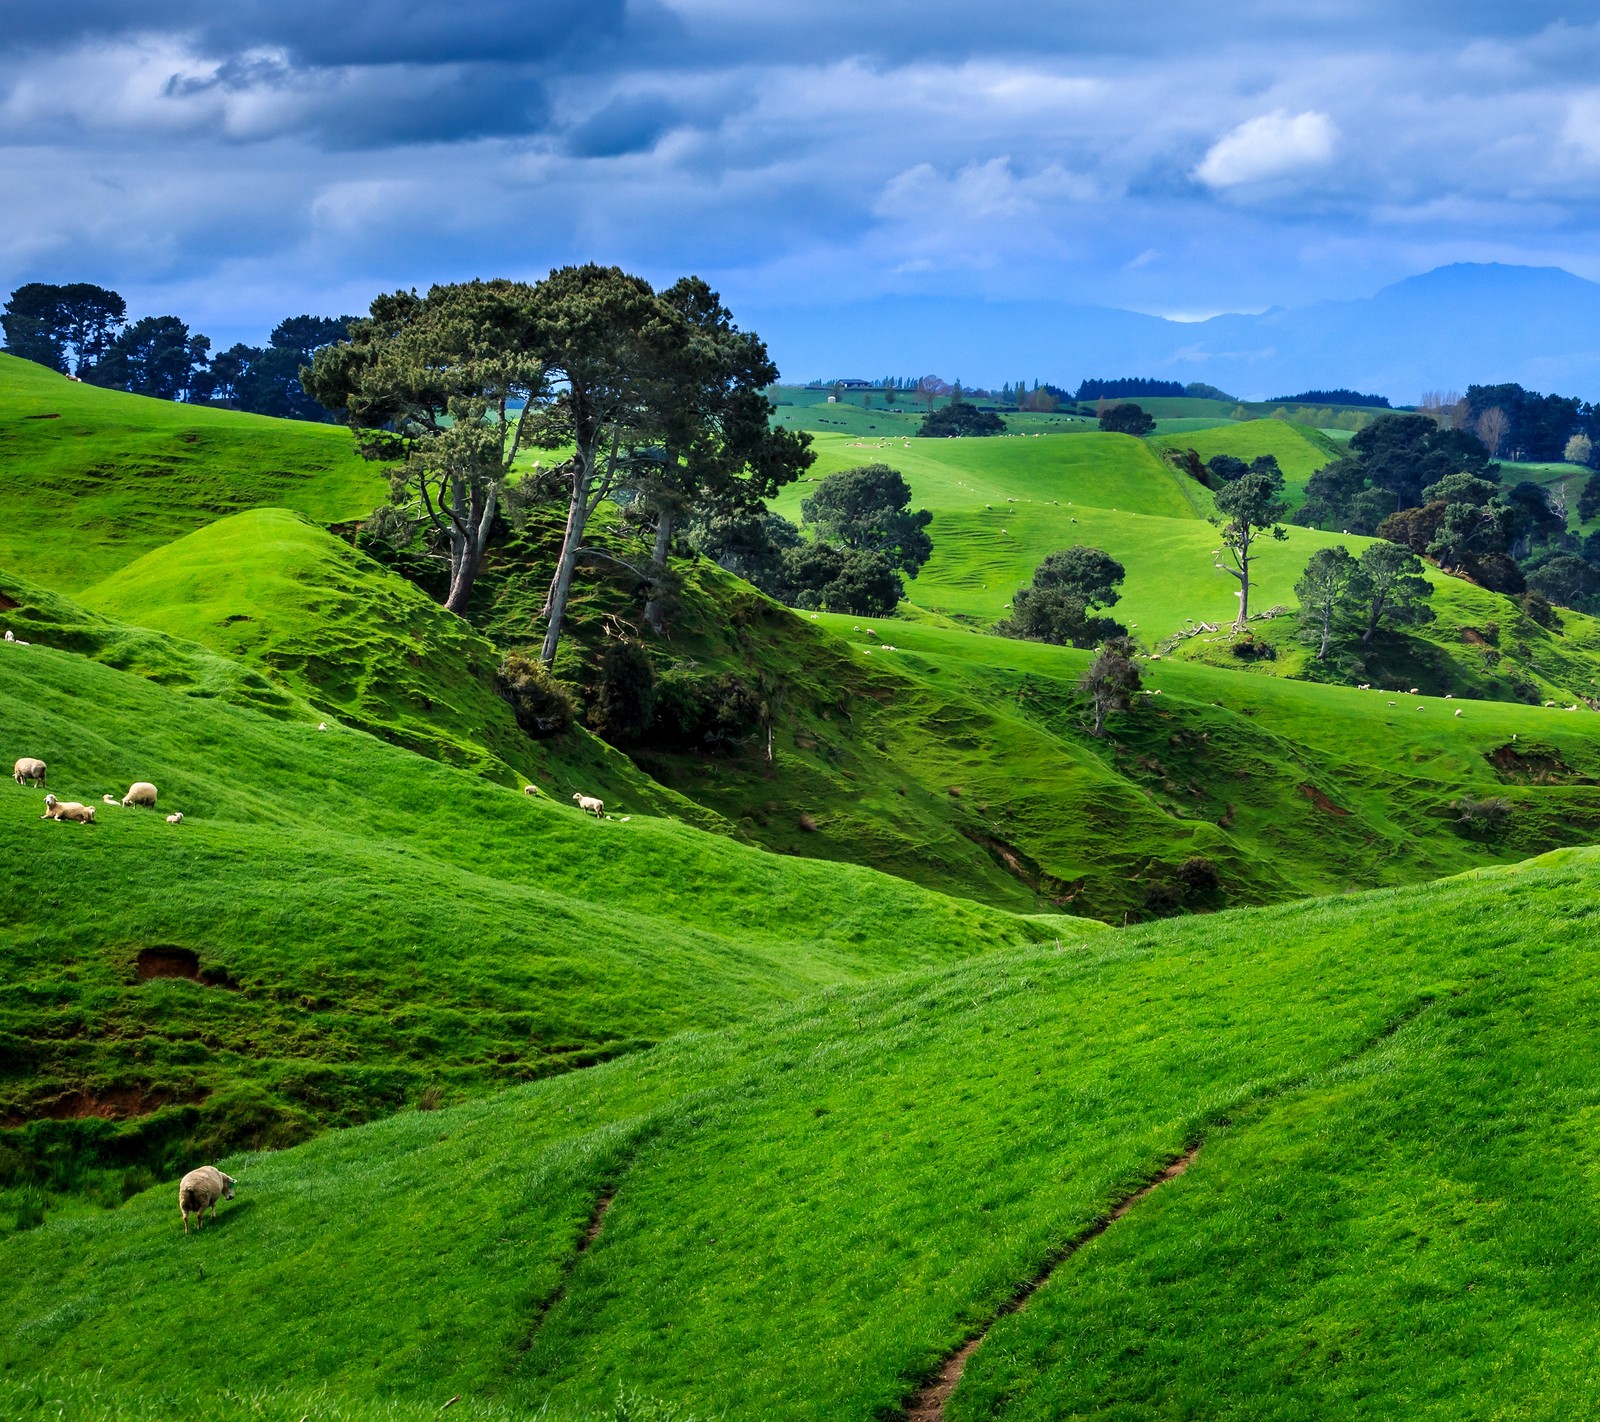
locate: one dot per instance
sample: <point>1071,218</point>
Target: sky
<point>235,161</point>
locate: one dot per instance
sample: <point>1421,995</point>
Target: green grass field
<point>1392,1094</point>
<point>106,477</point>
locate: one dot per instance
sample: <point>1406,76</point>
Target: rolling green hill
<point>1300,451</point>
<point>339,924</point>
<point>97,478</point>
<point>1392,1096</point>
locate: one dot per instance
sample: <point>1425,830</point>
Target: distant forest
<point>1332,397</point>
<point>1138,387</point>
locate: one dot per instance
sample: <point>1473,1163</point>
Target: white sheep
<point>141,792</point>
<point>1412,692</point>
<point>530,789</point>
<point>1458,713</point>
<point>589,805</point>
<point>176,818</point>
<point>28,769</point>
<point>55,809</point>
<point>322,725</point>
<point>199,1191</point>
<point>10,635</point>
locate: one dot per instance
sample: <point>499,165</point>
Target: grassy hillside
<point>1300,451</point>
<point>339,924</point>
<point>802,1218</point>
<point>97,478</point>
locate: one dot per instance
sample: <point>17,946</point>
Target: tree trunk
<point>652,609</point>
<point>467,547</point>
<point>1327,632</point>
<point>1244,588</point>
<point>561,583</point>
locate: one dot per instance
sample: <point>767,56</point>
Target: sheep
<point>141,792</point>
<point>322,725</point>
<point>176,818</point>
<point>28,769</point>
<point>1412,692</point>
<point>530,789</point>
<point>1458,713</point>
<point>870,633</point>
<point>589,805</point>
<point>200,1190</point>
<point>55,809</point>
<point>10,635</point>
<point>111,799</point>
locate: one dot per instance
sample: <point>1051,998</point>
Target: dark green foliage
<point>1389,464</point>
<point>1199,877</point>
<point>715,713</point>
<point>1136,387</point>
<point>1538,609</point>
<point>1567,581</point>
<point>1111,680</point>
<point>1333,397</point>
<point>869,508</point>
<point>1468,532</point>
<point>64,327</point>
<point>750,545</point>
<point>1056,607</point>
<point>542,706</point>
<point>1127,419</point>
<point>1486,816</point>
<point>1589,499</point>
<point>1389,589</point>
<point>1537,426</point>
<point>154,356</point>
<point>1227,468</point>
<point>1414,528</point>
<point>624,701</point>
<point>1324,592</point>
<point>960,419</point>
<point>266,380</point>
<point>1199,390</point>
<point>1248,507</point>
<point>1591,547</point>
<point>827,578</point>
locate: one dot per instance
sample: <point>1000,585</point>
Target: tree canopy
<point>1247,508</point>
<point>154,356</point>
<point>869,508</point>
<point>67,328</point>
<point>1111,681</point>
<point>1126,419</point>
<point>1057,606</point>
<point>959,419</point>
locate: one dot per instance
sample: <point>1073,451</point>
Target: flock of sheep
<point>32,771</point>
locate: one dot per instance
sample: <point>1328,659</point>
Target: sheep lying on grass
<point>530,789</point>
<point>28,769</point>
<point>175,819</point>
<point>141,792</point>
<point>590,806</point>
<point>55,809</point>
<point>111,799</point>
<point>201,1189</point>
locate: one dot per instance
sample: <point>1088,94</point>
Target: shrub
<point>542,705</point>
<point>1127,419</point>
<point>1537,607</point>
<point>625,700</point>
<point>961,419</point>
<point>1485,817</point>
<point>1251,648</point>
<point>704,713</point>
<point>1199,876</point>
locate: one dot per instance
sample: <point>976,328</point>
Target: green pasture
<point>1300,451</point>
<point>96,478</point>
<point>1392,1095</point>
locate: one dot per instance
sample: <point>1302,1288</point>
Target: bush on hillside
<point>1567,581</point>
<point>961,419</point>
<point>1199,877</point>
<point>624,702</point>
<point>1199,390</point>
<point>1057,607</point>
<point>869,509</point>
<point>1483,818</point>
<point>1536,606</point>
<point>1127,419</point>
<point>714,713</point>
<point>823,577</point>
<point>542,705</point>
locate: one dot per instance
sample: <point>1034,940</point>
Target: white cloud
<point>1582,128</point>
<point>1268,146</point>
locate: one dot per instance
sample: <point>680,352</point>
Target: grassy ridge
<point>106,477</point>
<point>361,922</point>
<point>1300,451</point>
<point>811,1211</point>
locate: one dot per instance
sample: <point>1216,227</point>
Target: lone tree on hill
<point>1248,507</point>
<point>1112,680</point>
<point>1389,589</point>
<point>719,454</point>
<point>1056,607</point>
<point>1126,419</point>
<point>1323,591</point>
<point>870,508</point>
<point>67,328</point>
<point>960,418</point>
<point>434,383</point>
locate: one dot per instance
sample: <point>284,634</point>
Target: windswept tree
<point>67,328</point>
<point>1249,507</point>
<point>435,385</point>
<point>869,508</point>
<point>1112,680</point>
<point>719,454</point>
<point>1324,592</point>
<point>1389,589</point>
<point>607,343</point>
<point>1058,606</point>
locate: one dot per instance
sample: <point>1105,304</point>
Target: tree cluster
<point>1344,597</point>
<point>1333,397</point>
<point>1127,419</point>
<point>960,419</point>
<point>1129,388</point>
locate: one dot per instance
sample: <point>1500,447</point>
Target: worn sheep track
<point>597,1219</point>
<point>929,1404</point>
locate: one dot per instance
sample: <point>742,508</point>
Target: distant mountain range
<point>1470,323</point>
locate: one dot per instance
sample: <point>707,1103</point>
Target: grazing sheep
<point>28,769</point>
<point>1412,692</point>
<point>200,1190</point>
<point>530,789</point>
<point>55,809</point>
<point>869,633</point>
<point>1458,713</point>
<point>589,805</point>
<point>176,818</point>
<point>1365,686</point>
<point>141,792</point>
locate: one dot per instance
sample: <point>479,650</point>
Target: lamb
<point>176,818</point>
<point>1412,692</point>
<point>141,792</point>
<point>1458,713</point>
<point>55,809</point>
<point>530,789</point>
<point>111,799</point>
<point>200,1190</point>
<point>28,769</point>
<point>589,805</point>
